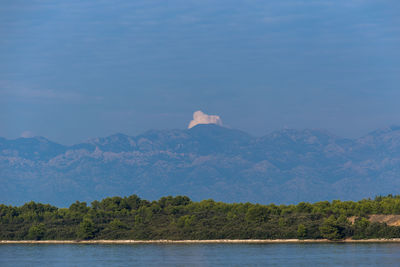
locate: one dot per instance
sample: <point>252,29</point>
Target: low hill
<point>180,218</point>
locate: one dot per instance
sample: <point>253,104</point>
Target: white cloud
<point>12,89</point>
<point>201,118</point>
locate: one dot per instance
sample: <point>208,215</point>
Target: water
<point>332,254</point>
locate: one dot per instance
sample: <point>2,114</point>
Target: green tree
<point>301,231</point>
<point>186,221</point>
<point>36,232</point>
<point>360,227</point>
<point>117,225</point>
<point>86,229</point>
<point>331,229</point>
<point>257,213</point>
<point>79,207</point>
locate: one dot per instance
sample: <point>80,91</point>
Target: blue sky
<point>70,70</point>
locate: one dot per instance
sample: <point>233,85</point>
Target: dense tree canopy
<point>180,218</point>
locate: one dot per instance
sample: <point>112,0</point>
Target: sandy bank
<point>219,241</point>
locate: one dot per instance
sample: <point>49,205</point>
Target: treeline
<point>180,218</point>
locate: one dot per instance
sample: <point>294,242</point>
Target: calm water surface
<point>375,254</point>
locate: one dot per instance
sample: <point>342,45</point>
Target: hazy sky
<point>70,70</point>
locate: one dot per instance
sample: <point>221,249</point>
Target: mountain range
<point>206,161</point>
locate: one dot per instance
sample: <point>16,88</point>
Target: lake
<point>315,254</point>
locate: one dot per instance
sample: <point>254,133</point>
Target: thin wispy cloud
<point>24,92</point>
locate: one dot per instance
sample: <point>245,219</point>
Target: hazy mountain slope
<point>206,161</point>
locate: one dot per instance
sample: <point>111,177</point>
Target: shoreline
<point>213,241</point>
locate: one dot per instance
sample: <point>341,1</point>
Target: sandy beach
<point>218,241</point>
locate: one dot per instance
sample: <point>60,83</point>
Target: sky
<point>72,70</point>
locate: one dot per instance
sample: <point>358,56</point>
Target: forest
<point>179,218</point>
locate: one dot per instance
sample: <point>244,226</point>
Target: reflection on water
<point>335,254</point>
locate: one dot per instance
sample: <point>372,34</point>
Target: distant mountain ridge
<point>206,161</point>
